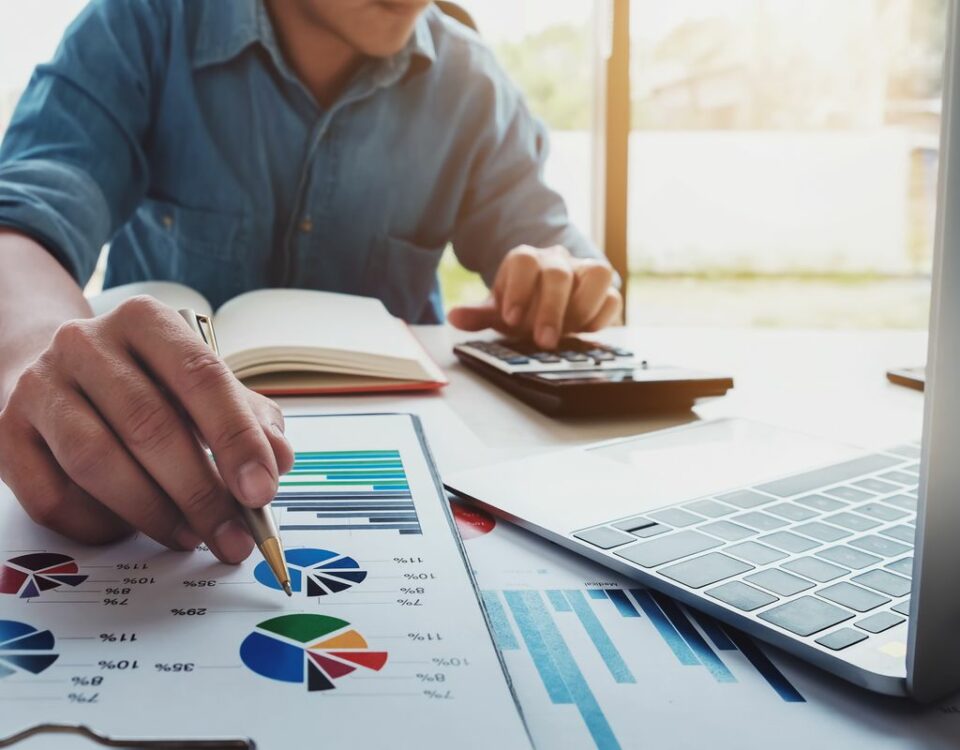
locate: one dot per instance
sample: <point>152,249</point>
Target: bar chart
<point>535,621</point>
<point>363,490</point>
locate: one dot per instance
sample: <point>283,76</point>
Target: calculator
<point>584,377</point>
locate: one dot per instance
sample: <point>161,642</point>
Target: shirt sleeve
<point>72,165</point>
<point>507,203</point>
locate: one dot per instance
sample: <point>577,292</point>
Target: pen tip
<point>286,588</point>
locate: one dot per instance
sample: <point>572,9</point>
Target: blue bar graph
<point>689,633</point>
<point>535,622</point>
<point>622,603</point>
<point>767,669</point>
<point>608,652</point>
<point>597,594</point>
<point>665,628</point>
<point>542,656</point>
<point>559,601</point>
<point>502,632</point>
<point>347,491</point>
<point>714,632</point>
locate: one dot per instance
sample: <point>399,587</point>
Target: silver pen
<point>258,520</point>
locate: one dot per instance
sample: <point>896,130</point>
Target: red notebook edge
<point>432,385</point>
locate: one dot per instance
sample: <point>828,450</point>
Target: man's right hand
<point>105,432</point>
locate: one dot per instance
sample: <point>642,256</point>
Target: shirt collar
<point>228,27</point>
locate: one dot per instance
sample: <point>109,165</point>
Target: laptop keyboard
<point>825,554</point>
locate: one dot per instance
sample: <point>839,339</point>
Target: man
<point>230,145</point>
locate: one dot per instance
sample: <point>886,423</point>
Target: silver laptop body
<point>848,560</point>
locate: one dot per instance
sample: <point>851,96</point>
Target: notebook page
<point>279,319</point>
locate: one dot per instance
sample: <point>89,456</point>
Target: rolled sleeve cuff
<point>59,206</point>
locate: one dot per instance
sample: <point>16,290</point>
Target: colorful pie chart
<point>314,650</point>
<point>24,649</point>
<point>315,572</point>
<point>30,575</point>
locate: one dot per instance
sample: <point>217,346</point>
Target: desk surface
<point>830,383</point>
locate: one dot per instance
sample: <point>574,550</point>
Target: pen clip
<point>203,326</point>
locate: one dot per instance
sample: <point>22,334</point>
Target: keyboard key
<point>903,566</point>
<point>884,582</point>
<point>702,571</point>
<point>852,521</point>
<point>675,517</point>
<point>911,469</point>
<point>740,595</point>
<point>779,582</point>
<point>665,549</point>
<point>852,596</point>
<point>821,531</point>
<point>604,537</point>
<point>877,623</point>
<point>629,524</point>
<point>709,508</point>
<point>877,485</point>
<point>907,450</point>
<point>850,494</point>
<point>517,360</point>
<point>902,532</point>
<point>732,532</point>
<point>791,512</point>
<point>745,498</point>
<point>841,639</point>
<point>852,558</point>
<point>903,607</point>
<point>760,554</point>
<point>881,511</point>
<point>902,501</point>
<point>806,615</point>
<point>814,569</point>
<point>759,521</point>
<point>789,542</point>
<point>880,546</point>
<point>811,480</point>
<point>900,477</point>
<point>820,502</point>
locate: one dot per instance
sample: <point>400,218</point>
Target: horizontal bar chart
<point>347,491</point>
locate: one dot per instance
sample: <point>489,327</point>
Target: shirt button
<point>167,221</point>
<point>306,226</point>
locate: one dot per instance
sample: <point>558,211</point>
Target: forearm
<point>36,296</point>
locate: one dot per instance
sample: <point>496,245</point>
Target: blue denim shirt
<point>175,131</point>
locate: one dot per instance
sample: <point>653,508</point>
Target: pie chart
<point>314,572</point>
<point>24,649</point>
<point>315,650</point>
<point>30,575</point>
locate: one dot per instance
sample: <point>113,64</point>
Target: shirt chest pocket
<point>403,275</point>
<point>207,250</point>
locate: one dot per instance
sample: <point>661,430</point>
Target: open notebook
<point>296,341</point>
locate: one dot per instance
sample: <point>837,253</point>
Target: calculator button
<point>573,356</point>
<point>517,360</point>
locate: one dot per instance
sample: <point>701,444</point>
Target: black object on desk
<point>584,378</point>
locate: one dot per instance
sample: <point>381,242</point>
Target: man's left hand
<point>545,293</point>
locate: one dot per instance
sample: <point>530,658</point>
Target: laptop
<point>847,559</point>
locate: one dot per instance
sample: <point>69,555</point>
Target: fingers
<point>592,279</point>
<point>609,314</point>
<point>91,456</point>
<point>553,294</point>
<point>161,441</point>
<point>475,317</point>
<point>517,282</point>
<point>214,399</point>
<point>273,424</point>
<point>47,494</point>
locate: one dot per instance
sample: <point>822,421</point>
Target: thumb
<point>475,317</point>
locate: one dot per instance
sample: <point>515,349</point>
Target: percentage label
<point>431,677</point>
<point>443,695</point>
<point>84,681</point>
<point>450,661</point>
<point>118,637</point>
<point>408,560</point>
<point>411,589</point>
<point>140,581</point>
<point>199,584</point>
<point>121,665</point>
<point>178,666</point>
<point>117,591</point>
<point>421,637</point>
<point>83,697</point>
<point>189,612</point>
<point>419,576</point>
<point>115,602</point>
<point>132,566</point>
<point>409,602</point>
